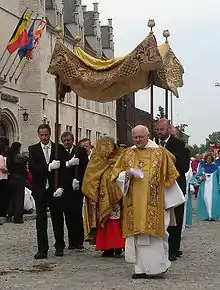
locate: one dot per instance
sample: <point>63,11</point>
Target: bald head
<point>163,126</point>
<point>140,136</point>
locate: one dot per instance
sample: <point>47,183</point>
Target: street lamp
<point>25,116</point>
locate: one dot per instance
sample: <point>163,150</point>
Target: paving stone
<point>199,268</point>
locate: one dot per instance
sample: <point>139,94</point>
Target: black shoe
<point>108,253</point>
<point>118,252</point>
<point>9,219</point>
<point>172,257</point>
<point>18,221</point>
<point>179,254</point>
<point>139,276</point>
<point>72,247</point>
<point>40,255</point>
<point>59,253</point>
<point>80,247</point>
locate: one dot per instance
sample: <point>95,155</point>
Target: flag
<point>38,33</point>
<point>20,36</point>
<point>25,50</point>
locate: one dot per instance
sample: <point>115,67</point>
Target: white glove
<point>55,164</point>
<point>75,184</point>
<point>58,192</point>
<point>72,162</point>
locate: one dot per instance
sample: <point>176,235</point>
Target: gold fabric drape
<point>95,63</point>
<point>143,207</point>
<point>101,194</point>
<point>109,82</point>
<point>170,76</point>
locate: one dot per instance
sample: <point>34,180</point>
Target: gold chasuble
<point>143,208</point>
<point>101,194</point>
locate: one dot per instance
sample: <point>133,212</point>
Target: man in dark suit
<point>75,160</point>
<point>42,166</point>
<point>178,149</point>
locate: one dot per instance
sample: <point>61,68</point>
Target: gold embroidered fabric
<point>124,76</point>
<point>143,208</point>
<point>101,194</point>
<point>169,77</point>
<point>95,63</point>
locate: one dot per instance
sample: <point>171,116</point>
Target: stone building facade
<point>35,89</point>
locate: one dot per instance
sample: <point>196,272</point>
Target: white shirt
<point>165,141</point>
<point>43,146</point>
<point>47,158</point>
<point>70,150</point>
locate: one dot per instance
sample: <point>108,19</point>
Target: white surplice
<point>149,254</point>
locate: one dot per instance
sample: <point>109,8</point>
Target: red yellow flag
<point>20,35</point>
<point>38,33</point>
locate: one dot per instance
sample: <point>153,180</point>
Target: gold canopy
<point>170,76</point>
<point>105,81</point>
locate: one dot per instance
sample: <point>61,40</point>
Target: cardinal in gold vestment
<point>102,209</point>
<point>143,172</point>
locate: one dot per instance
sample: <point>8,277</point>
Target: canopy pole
<point>58,83</point>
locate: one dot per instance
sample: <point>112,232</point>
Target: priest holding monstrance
<point>147,177</point>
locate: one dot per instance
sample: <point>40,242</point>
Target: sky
<point>195,38</point>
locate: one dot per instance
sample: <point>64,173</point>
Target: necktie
<point>162,143</point>
<point>47,156</point>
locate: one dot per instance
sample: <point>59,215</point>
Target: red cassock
<point>110,237</point>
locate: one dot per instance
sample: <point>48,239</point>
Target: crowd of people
<point>203,180</point>
<point>119,199</point>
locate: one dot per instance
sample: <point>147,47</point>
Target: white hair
<point>148,132</point>
<point>142,126</point>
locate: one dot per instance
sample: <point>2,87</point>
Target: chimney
<point>84,8</point>
<point>78,2</point>
<point>95,7</point>
<point>110,22</point>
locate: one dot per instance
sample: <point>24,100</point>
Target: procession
<point>95,191</point>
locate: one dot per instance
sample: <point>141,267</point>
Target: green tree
<point>182,134</point>
<point>213,138</point>
<point>160,114</point>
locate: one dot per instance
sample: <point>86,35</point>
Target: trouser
<point>47,200</point>
<point>4,197</point>
<point>74,220</point>
<point>175,232</point>
<point>74,224</point>
<point>16,203</point>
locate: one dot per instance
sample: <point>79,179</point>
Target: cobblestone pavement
<point>199,268</point>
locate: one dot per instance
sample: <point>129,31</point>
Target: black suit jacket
<point>68,174</point>
<point>39,169</point>
<point>72,199</point>
<point>178,149</point>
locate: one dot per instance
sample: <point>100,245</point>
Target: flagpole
<point>11,77</point>
<point>34,47</point>
<point>10,54</point>
<point>3,54</point>
<point>5,76</point>
<point>5,64</point>
<point>9,40</point>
